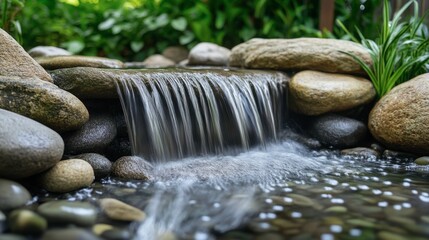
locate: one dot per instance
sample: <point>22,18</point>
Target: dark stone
<point>13,195</point>
<point>360,153</point>
<point>26,146</point>
<point>338,131</point>
<point>93,137</point>
<point>10,236</point>
<point>116,234</point>
<point>377,147</point>
<point>132,167</point>
<point>118,148</point>
<point>422,160</point>
<point>101,165</point>
<point>395,155</point>
<point>2,222</point>
<point>69,234</point>
<point>121,125</point>
<point>65,212</point>
<point>24,221</point>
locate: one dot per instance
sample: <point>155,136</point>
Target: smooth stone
<point>118,148</point>
<point>2,222</point>
<point>65,212</point>
<point>336,209</point>
<point>315,93</point>
<point>116,234</point>
<point>99,228</point>
<point>99,163</point>
<point>398,120</point>
<point>378,148</point>
<point>301,200</point>
<point>134,65</point>
<point>300,54</point>
<point>425,219</point>
<point>43,102</point>
<point>422,160</point>
<point>117,210</point>
<point>93,137</point>
<point>338,131</point>
<point>366,223</point>
<point>384,235</point>
<point>57,62</point>
<point>13,195</point>
<point>69,234</point>
<point>67,176</point>
<point>132,167</point>
<point>15,61</point>
<point>45,51</point>
<point>177,54</point>
<point>361,153</point>
<point>26,222</point>
<point>158,61</point>
<point>209,54</point>
<point>10,236</point>
<point>26,146</point>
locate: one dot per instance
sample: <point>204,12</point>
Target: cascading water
<point>197,112</point>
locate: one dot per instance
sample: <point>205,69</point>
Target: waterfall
<point>172,114</point>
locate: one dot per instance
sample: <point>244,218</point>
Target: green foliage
<point>8,11</point>
<point>401,51</point>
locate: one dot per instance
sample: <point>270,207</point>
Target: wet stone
<point>271,236</point>
<point>69,234</point>
<point>13,195</point>
<point>117,210</point>
<point>99,163</point>
<point>132,167</point>
<point>116,234</point>
<point>360,153</point>
<point>422,160</point>
<point>99,228</point>
<point>362,223</point>
<point>80,213</point>
<point>383,235</point>
<point>390,154</point>
<point>10,236</point>
<point>27,222</point>
<point>336,209</point>
<point>2,222</point>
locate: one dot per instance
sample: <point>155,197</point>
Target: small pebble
<point>383,235</point>
<point>13,195</point>
<point>422,160</point>
<point>26,222</point>
<point>80,213</point>
<point>118,210</point>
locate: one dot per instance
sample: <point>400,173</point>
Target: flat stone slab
<point>57,62</point>
<point>300,54</point>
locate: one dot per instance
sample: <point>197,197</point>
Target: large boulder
<point>315,93</point>
<point>15,61</point>
<point>400,120</point>
<point>56,62</point>
<point>209,54</point>
<point>46,51</point>
<point>26,146</point>
<point>300,54</point>
<point>43,102</point>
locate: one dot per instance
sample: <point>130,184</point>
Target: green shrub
<point>8,11</point>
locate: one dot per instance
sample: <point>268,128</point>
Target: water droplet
<point>327,236</point>
<point>337,200</point>
<point>205,218</point>
<point>355,232</point>
<point>336,228</point>
<point>383,204</point>
<point>296,214</point>
<point>278,208</point>
<point>424,198</point>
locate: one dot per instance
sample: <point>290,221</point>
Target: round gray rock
<point>400,119</point>
<point>13,195</point>
<point>338,131</point>
<point>65,212</point>
<point>132,167</point>
<point>26,146</point>
<point>93,137</point>
<point>57,62</point>
<point>69,234</point>
<point>101,165</point>
<point>315,93</point>
<point>300,54</point>
<point>43,102</point>
<point>209,54</point>
<point>45,51</point>
<point>67,176</point>
<point>158,61</point>
<point>15,61</point>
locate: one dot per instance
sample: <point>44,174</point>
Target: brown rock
<point>15,61</point>
<point>177,54</point>
<point>117,210</point>
<point>300,54</point>
<point>209,54</point>
<point>56,62</point>
<point>67,175</point>
<point>400,119</point>
<point>315,93</point>
<point>132,167</point>
<point>43,102</point>
<point>158,61</point>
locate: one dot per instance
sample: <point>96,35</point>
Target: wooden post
<point>326,15</point>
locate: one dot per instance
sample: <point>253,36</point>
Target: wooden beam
<point>326,15</point>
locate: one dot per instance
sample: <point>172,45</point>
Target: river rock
<point>43,102</point>
<point>57,62</point>
<point>209,54</point>
<point>158,61</point>
<point>67,175</point>
<point>300,54</point>
<point>399,119</point>
<point>94,136</point>
<point>66,212</point>
<point>10,236</point>
<point>24,221</point>
<point>15,61</point>
<point>315,93</point>
<point>132,167</point>
<point>118,234</point>
<point>117,210</point>
<point>69,234</point>
<point>422,160</point>
<point>338,131</point>
<point>177,54</point>
<point>26,146</point>
<point>99,163</point>
<point>47,51</point>
<point>361,153</point>
<point>13,195</point>
<point>118,148</point>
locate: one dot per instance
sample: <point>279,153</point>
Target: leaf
<point>179,24</point>
<point>107,24</point>
<point>220,20</point>
<point>137,45</point>
<point>186,38</point>
<point>75,46</point>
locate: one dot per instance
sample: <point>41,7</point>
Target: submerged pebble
<point>65,212</point>
<point>26,222</point>
<point>69,234</point>
<point>118,210</point>
<point>13,195</point>
<point>422,160</point>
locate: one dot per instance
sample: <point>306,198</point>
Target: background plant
<point>8,12</point>
<point>400,52</point>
